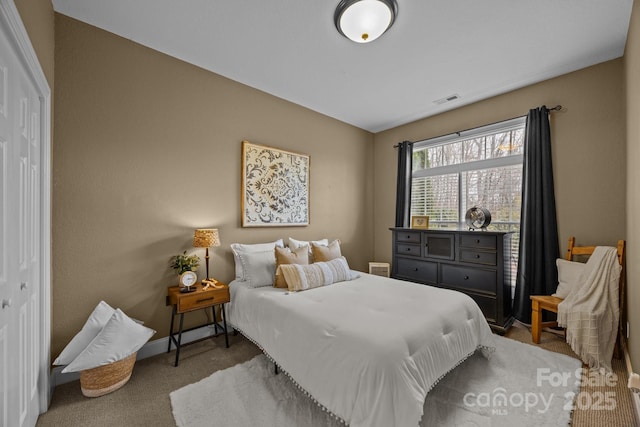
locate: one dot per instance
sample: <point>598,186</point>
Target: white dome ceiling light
<point>363,21</point>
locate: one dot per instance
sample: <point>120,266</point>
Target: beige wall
<point>588,141</point>
<point>632,80</point>
<point>38,19</point>
<point>148,148</point>
<point>134,127</point>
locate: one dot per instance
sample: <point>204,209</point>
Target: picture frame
<point>420,221</point>
<point>275,187</point>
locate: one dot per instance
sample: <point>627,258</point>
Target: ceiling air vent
<point>447,99</point>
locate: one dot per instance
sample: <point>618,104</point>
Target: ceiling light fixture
<point>363,21</point>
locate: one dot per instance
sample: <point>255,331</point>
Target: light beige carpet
<point>499,391</point>
<point>588,411</point>
<point>144,401</point>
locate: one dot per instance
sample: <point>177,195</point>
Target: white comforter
<point>369,350</point>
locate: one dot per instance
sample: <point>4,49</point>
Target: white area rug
<point>521,385</point>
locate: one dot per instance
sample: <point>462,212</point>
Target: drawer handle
<point>477,256</point>
<point>466,277</point>
<point>408,237</point>
<point>204,300</point>
<point>477,240</point>
<point>415,269</point>
<point>408,249</point>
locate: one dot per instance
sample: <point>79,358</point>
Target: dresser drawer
<point>408,249</point>
<point>408,236</point>
<point>476,257</point>
<point>202,299</point>
<point>478,240</point>
<point>413,269</point>
<point>467,278</point>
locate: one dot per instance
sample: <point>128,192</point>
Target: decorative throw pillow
<point>569,273</point>
<point>92,327</point>
<point>288,256</point>
<point>258,267</point>
<point>295,244</point>
<point>240,248</point>
<point>303,277</point>
<point>119,338</point>
<point>326,253</point>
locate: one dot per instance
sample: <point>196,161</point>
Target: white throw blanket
<point>591,311</point>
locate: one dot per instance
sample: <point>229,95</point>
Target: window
<point>478,167</point>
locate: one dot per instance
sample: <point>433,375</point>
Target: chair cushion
<point>569,273</point>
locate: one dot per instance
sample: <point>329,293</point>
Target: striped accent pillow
<point>303,277</point>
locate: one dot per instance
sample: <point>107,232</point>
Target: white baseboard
<point>635,396</point>
<point>636,403</point>
<point>152,348</point>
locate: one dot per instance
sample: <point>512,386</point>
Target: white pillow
<point>240,248</point>
<point>259,267</point>
<point>120,338</point>
<point>295,244</point>
<point>569,273</point>
<point>98,318</point>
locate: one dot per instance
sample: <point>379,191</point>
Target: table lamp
<point>206,238</point>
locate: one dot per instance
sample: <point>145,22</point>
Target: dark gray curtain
<point>403,191</point>
<point>537,274</point>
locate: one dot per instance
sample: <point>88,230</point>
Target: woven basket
<point>105,379</point>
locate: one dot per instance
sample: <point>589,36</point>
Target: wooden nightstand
<point>198,300</point>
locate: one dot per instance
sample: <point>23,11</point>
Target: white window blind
<point>478,167</point>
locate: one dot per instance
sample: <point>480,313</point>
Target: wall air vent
<point>447,99</point>
<point>380,269</point>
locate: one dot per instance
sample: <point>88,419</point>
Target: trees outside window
<point>479,167</point>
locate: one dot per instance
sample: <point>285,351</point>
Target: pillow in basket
<point>94,324</point>
<point>120,338</point>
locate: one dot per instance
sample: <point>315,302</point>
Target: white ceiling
<point>291,49</point>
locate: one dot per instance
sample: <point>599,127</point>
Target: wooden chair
<point>550,303</point>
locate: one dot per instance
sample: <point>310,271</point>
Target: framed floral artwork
<point>275,187</point>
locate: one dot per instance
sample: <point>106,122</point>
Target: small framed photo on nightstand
<point>420,221</point>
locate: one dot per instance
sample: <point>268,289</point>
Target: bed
<point>367,350</point>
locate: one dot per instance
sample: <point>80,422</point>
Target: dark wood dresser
<point>473,262</point>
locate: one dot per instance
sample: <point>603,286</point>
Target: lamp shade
<point>206,238</point>
<point>365,20</point>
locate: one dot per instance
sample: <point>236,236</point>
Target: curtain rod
<point>556,108</point>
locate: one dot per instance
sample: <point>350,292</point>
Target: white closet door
<point>8,380</point>
<point>19,252</point>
